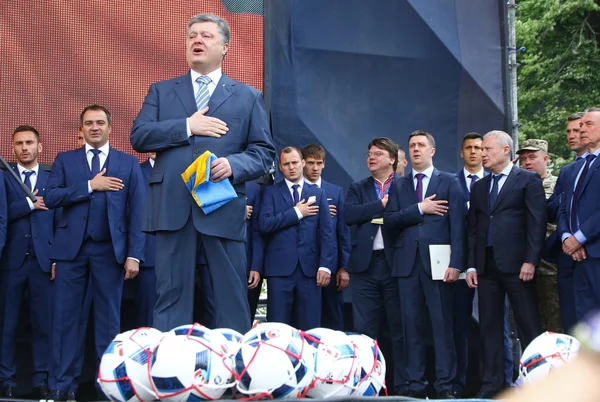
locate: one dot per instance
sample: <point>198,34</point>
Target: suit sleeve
<point>472,228</point>
<point>149,134</point>
<point>135,197</point>
<point>535,204</point>
<point>553,202</point>
<point>258,242</point>
<point>58,194</point>
<point>259,155</point>
<point>456,203</point>
<point>326,235</point>
<point>16,209</point>
<point>356,213</point>
<point>343,235</point>
<point>270,221</point>
<point>3,212</point>
<point>397,218</point>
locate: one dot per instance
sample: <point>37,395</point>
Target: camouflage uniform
<point>546,273</point>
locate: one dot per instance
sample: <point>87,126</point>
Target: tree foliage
<point>560,68</point>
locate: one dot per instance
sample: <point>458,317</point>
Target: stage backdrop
<point>59,56</point>
<point>341,72</point>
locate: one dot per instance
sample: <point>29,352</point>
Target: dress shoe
<point>40,392</point>
<point>7,391</point>
<point>56,396</point>
<point>446,395</point>
<point>487,393</point>
<point>411,393</point>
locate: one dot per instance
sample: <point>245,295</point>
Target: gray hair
<point>593,109</point>
<point>575,116</point>
<point>221,24</point>
<point>502,137</point>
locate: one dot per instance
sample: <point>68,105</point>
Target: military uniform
<point>546,273</point>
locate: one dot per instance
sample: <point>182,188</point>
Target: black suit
<point>518,224</point>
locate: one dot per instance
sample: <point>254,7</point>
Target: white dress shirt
<point>317,183</point>
<point>214,76</point>
<point>425,182</point>
<point>378,243</point>
<point>32,179</point>
<point>102,155</point>
<point>468,179</point>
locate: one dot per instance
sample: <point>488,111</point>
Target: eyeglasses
<point>377,154</point>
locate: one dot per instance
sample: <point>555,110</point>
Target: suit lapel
<point>82,163</point>
<point>41,180</point>
<point>114,163</point>
<point>225,88</point>
<point>410,190</point>
<point>370,193</point>
<point>285,193</point>
<point>185,91</point>
<point>589,175</point>
<point>434,182</point>
<point>146,169</point>
<point>510,181</point>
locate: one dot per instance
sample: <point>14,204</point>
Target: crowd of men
<point>520,237</point>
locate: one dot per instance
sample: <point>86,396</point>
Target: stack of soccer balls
<point>271,361</point>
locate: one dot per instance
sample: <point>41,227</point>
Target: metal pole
<point>513,66</point>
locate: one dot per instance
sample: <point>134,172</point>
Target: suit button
<point>196,151</point>
<point>27,235</point>
<point>420,224</point>
<point>491,216</point>
<point>93,196</point>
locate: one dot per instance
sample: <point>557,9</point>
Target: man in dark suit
<point>425,208</point>
<point>402,162</point>
<point>374,291</point>
<point>506,230</point>
<point>579,218</point>
<point>332,313</point>
<point>553,246</point>
<point>299,245</point>
<point>101,191</point>
<point>254,246</point>
<point>25,264</point>
<point>181,119</point>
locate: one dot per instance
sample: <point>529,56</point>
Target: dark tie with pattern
<point>577,193</point>
<point>27,180</point>
<point>95,162</point>
<point>419,189</point>
<point>473,178</point>
<point>296,195</point>
<point>493,196</point>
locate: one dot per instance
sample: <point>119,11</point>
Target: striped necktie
<point>202,96</point>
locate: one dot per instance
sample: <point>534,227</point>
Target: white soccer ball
<point>191,363</point>
<point>544,354</point>
<point>123,372</point>
<point>274,361</point>
<point>372,365</point>
<point>233,339</point>
<point>337,369</point>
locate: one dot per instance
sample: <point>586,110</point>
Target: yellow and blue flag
<point>208,195</point>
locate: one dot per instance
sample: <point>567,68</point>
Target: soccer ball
<point>336,364</point>
<point>275,362</point>
<point>233,339</point>
<point>191,363</point>
<point>371,365</point>
<point>123,372</point>
<point>544,354</point>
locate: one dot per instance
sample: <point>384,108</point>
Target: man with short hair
<point>181,119</point>
<point>25,264</point>
<point>426,208</point>
<point>332,314</point>
<point>506,227</point>
<point>534,157</point>
<point>98,236</point>
<point>299,245</point>
<point>374,291</point>
<point>579,218</point>
<point>402,162</point>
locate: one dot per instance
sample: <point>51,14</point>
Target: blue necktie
<point>473,178</point>
<point>419,189</point>
<point>296,195</point>
<point>95,162</point>
<point>202,96</point>
<point>27,180</point>
<point>493,196</point>
<point>577,193</point>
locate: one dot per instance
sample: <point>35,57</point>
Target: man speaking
<point>180,120</point>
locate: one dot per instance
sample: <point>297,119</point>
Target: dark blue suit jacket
<point>361,207</point>
<point>3,212</point>
<point>415,230</point>
<point>67,187</point>
<point>150,246</point>
<point>161,126</point>
<point>342,232</point>
<point>255,245</point>
<point>518,220</point>
<point>588,207</point>
<point>23,222</point>
<point>288,240</point>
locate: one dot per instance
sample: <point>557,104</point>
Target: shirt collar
<point>152,162</point>
<point>427,172</point>
<point>478,174</point>
<point>21,169</point>
<point>289,184</point>
<point>104,148</point>
<point>386,179</point>
<point>506,170</point>
<point>214,76</point>
<point>317,183</point>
